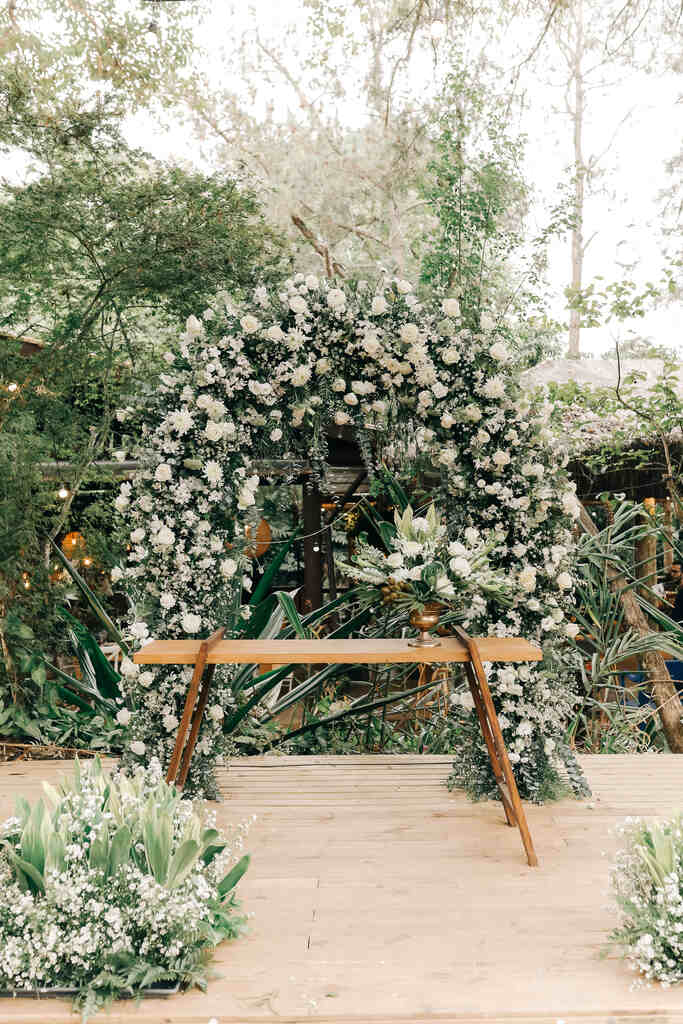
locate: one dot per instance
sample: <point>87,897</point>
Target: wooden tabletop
<point>328,652</point>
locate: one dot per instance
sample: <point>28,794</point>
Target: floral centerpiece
<point>427,574</point>
<point>647,884</point>
<point>113,885</point>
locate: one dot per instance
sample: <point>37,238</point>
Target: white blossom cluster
<point>647,885</point>
<point>264,381</point>
<point>86,923</point>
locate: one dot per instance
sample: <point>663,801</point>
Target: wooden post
<point>646,554</point>
<point>313,540</point>
<point>667,546</point>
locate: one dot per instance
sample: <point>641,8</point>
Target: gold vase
<point>424,619</point>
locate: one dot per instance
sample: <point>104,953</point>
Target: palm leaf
<point>91,598</point>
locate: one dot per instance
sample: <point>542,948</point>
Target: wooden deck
<point>380,897</point>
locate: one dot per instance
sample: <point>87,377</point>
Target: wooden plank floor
<point>379,896</point>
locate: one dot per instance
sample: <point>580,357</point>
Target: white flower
<point>276,434</point>
<point>191,623</point>
<point>275,333</point>
<point>124,716</point>
<point>215,712</point>
<point>371,345</point>
<point>447,420</point>
<point>121,502</point>
<point>443,586</point>
<point>249,324</point>
<point>164,538</point>
<point>450,355</point>
<point>451,307</point>
<point>137,536</point>
<point>170,722</point>
<point>501,458</point>
<point>323,366</point>
<point>395,560</point>
<point>193,327</point>
<point>213,472</point>
<point>500,352</point>
<point>409,333</point>
<point>379,305</point>
<point>214,431</point>
<point>527,579</point>
<point>339,384</point>
<point>486,322</point>
<point>494,387</point>
<point>336,299</point>
<point>228,567</point>
<point>128,668</point>
<point>460,566</point>
<point>411,547</point>
<point>116,574</point>
<point>301,376</point>
<point>298,305</point>
<point>163,473</point>
<point>311,282</point>
<point>351,399</point>
<point>403,287</point>
<point>564,581</point>
<point>138,748</point>
<point>167,600</point>
<point>341,417</point>
<point>472,413</point>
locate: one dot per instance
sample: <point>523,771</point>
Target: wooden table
<point>461,649</point>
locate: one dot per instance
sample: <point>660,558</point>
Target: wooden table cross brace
<point>204,655</point>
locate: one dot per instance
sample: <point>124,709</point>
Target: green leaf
<point>233,877</point>
<point>91,598</point>
<point>182,862</point>
<point>265,583</point>
<point>292,615</point>
<point>27,874</point>
<point>119,850</point>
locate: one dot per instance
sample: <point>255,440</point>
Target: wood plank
<point>378,897</point>
<point>325,652</point>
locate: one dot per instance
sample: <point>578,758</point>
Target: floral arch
<point>415,382</point>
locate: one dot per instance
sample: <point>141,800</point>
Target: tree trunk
<point>663,689</point>
<point>574,350</point>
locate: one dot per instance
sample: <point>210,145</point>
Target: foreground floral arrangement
<point>420,386</point>
<point>647,883</point>
<point>112,885</point>
<point>425,567</point>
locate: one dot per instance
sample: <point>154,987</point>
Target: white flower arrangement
<point>647,885</point>
<point>423,567</point>
<point>414,386</point>
<point>113,884</point>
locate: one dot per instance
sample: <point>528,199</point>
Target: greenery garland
<point>423,387</point>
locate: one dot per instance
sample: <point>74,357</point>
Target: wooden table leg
<point>188,710</point>
<point>196,725</point>
<point>495,743</point>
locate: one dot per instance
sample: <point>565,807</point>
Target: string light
<point>87,561</point>
<point>27,582</point>
<point>13,386</point>
<point>63,492</point>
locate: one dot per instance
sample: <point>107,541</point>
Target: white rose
<point>339,384</point>
<point>116,574</point>
<point>500,352</point>
<point>472,413</point>
<point>275,333</point>
<point>228,567</point>
<point>486,322</point>
<point>501,458</point>
<point>450,356</point>
<point>163,473</point>
<point>341,417</point>
<point>564,581</point>
<point>395,560</point>
<point>128,668</point>
<point>124,716</point>
<point>351,399</point>
<point>137,535</point>
<point>138,748</point>
<point>216,712</point>
<point>323,366</point>
<point>451,307</point>
<point>214,431</point>
<point>297,304</point>
<point>460,566</point>
<point>249,324</point>
<point>191,623</point>
<point>164,538</point>
<point>371,345</point>
<point>409,333</point>
<point>403,287</point>
<point>572,630</point>
<point>170,722</point>
<point>443,586</point>
<point>167,600</point>
<point>379,305</point>
<point>447,420</point>
<point>311,282</point>
<point>275,435</point>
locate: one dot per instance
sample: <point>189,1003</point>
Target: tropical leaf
<point>91,598</point>
<point>182,862</point>
<point>233,877</point>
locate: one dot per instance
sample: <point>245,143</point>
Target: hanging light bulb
<point>437,30</point>
<point>63,492</point>
<point>13,386</point>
